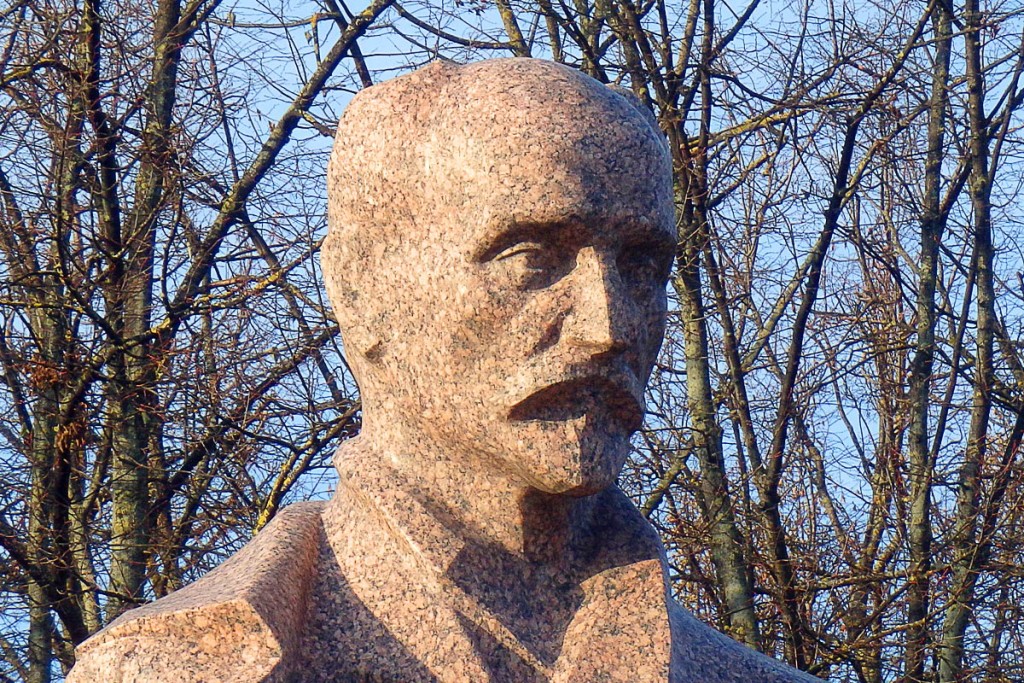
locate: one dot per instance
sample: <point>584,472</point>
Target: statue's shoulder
<point>700,654</point>
<point>241,622</point>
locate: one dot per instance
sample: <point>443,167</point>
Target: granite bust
<point>500,236</point>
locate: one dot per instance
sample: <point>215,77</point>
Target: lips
<point>615,395</point>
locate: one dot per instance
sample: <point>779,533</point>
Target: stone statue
<point>500,238</point>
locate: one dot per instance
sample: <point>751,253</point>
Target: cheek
<point>654,330</point>
<point>488,320</point>
<point>657,313</point>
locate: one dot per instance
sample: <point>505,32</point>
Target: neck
<point>482,505</point>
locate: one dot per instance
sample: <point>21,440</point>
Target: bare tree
<point>168,368</point>
<point>832,450</point>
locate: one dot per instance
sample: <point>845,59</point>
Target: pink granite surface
<point>242,622</point>
<point>500,238</point>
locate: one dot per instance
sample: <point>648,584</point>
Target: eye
<point>530,264</point>
<point>645,265</point>
<point>528,255</point>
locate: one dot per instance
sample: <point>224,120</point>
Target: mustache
<point>568,394</point>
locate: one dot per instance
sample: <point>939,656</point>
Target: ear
<point>359,339</point>
<point>374,352</point>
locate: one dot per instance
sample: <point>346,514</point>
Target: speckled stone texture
<point>500,238</point>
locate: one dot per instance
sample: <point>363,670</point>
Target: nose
<point>598,318</point>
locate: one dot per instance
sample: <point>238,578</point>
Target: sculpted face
<point>528,288</point>
<point>557,315</point>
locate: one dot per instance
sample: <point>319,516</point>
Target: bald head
<point>450,141</point>
<point>418,137</point>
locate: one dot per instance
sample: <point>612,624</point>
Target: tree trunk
<point>921,470</point>
<point>964,533</point>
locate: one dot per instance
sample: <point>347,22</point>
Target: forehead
<point>608,178</point>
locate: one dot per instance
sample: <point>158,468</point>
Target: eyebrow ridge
<point>508,233</point>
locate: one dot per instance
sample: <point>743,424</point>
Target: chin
<point>576,457</point>
<point>583,471</point>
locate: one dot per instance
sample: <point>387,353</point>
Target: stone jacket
<point>332,593</point>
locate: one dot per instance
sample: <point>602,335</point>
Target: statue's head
<point>500,238</point>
